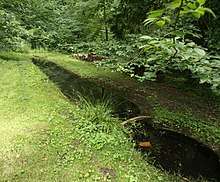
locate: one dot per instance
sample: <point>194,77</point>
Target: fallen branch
<point>138,118</point>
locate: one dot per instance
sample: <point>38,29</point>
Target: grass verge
<point>191,108</point>
<point>44,137</point>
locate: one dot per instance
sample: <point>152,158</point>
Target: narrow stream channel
<point>72,85</point>
<point>177,153</point>
<point>166,149</point>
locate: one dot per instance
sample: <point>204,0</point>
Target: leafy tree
<point>34,16</point>
<point>172,50</point>
<point>11,32</point>
<point>128,16</point>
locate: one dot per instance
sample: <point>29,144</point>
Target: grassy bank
<point>174,105</point>
<point>44,137</point>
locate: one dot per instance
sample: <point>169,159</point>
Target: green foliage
<point>81,26</point>
<point>111,48</point>
<point>11,32</point>
<point>53,24</point>
<point>189,57</point>
<point>120,55</point>
<point>175,51</point>
<point>211,26</point>
<point>128,16</point>
<point>180,8</point>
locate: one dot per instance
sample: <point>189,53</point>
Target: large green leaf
<point>192,5</point>
<point>176,3</point>
<point>155,14</point>
<point>199,51</point>
<point>167,19</point>
<point>160,23</point>
<point>200,11</point>
<point>208,10</point>
<point>196,14</point>
<point>201,2</point>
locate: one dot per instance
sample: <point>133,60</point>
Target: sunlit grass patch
<point>44,137</point>
<point>27,101</point>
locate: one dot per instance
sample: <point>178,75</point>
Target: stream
<point>168,150</point>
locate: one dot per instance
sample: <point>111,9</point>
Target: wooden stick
<point>138,118</point>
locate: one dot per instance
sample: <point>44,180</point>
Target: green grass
<point>206,130</point>
<point>199,129</point>
<point>75,65</point>
<point>44,137</point>
<point>187,122</point>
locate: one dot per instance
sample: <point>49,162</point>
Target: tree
<point>173,50</point>
<point>11,32</point>
<point>128,16</point>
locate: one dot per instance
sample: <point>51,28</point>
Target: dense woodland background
<point>144,38</point>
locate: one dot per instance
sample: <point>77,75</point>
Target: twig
<point>138,118</point>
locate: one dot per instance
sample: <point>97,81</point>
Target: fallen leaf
<point>145,144</point>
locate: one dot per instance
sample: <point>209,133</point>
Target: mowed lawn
<point>45,137</point>
<point>29,107</point>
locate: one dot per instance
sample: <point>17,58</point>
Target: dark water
<point>171,151</point>
<point>72,85</point>
<point>177,153</point>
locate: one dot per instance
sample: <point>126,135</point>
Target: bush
<point>12,35</point>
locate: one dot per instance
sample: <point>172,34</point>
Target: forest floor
<point>45,137</point>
